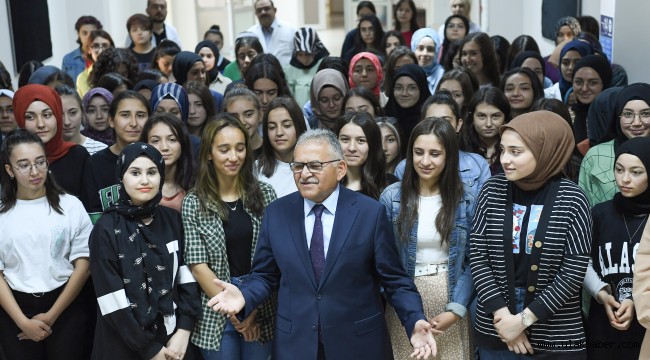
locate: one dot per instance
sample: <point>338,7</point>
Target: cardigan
<point>558,265</point>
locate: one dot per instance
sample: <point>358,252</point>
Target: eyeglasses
<point>455,26</point>
<point>98,47</point>
<point>26,168</point>
<point>313,166</point>
<point>7,109</point>
<point>334,100</point>
<point>591,83</point>
<point>629,116</point>
<point>411,89</point>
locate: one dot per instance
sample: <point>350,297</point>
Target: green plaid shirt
<point>597,173</point>
<point>205,242</point>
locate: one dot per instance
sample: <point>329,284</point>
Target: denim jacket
<point>460,283</point>
<point>73,63</point>
<point>473,169</point>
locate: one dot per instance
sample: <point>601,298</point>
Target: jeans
<point>489,354</point>
<point>233,346</point>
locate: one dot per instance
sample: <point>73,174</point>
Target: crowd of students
<point>516,184</point>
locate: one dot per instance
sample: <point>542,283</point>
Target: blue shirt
<point>327,218</point>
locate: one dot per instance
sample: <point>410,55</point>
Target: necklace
<point>235,207</point>
<point>637,229</point>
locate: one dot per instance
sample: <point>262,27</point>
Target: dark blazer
<point>361,259</point>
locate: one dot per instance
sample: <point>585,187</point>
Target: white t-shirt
<point>38,245</point>
<point>282,180</point>
<point>430,249</point>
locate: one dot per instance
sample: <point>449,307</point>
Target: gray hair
<point>322,136</point>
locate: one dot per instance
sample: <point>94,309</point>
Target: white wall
<point>508,18</point>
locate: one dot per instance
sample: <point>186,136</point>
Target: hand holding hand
<point>424,345</point>
<point>610,305</point>
<point>165,354</point>
<point>177,344</point>
<point>520,345</point>
<point>229,301</point>
<point>508,326</point>
<point>34,329</point>
<point>624,315</point>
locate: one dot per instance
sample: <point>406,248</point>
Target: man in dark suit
<point>328,251</point>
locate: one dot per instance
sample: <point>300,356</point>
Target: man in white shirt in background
<point>276,36</point>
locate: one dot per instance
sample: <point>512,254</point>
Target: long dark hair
<point>359,45</point>
<point>388,34</point>
<point>184,175</point>
<point>414,19</point>
<point>203,92</point>
<point>373,180</point>
<point>8,195</point>
<point>266,162</point>
<point>468,83</point>
<point>389,65</point>
<point>538,88</point>
<point>267,66</point>
<point>362,92</point>
<point>451,187</point>
<point>488,55</point>
<point>520,44</point>
<point>470,140</point>
<point>207,183</point>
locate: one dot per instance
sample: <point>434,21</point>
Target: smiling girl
<point>147,297</point>
<point>38,109</point>
<point>126,116</point>
<point>222,219</point>
<point>283,123</point>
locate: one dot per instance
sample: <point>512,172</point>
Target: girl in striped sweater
<point>530,245</point>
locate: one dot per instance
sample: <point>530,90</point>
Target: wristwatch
<point>526,319</point>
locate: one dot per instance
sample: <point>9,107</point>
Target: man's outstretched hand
<point>424,345</point>
<point>229,301</point>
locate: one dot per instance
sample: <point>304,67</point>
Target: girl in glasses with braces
<point>43,257</point>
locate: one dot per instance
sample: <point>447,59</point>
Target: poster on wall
<point>607,35</point>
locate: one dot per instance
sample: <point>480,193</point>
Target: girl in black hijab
<point>148,298</point>
<point>210,60</point>
<point>586,88</point>
<point>404,101</point>
<point>617,228</point>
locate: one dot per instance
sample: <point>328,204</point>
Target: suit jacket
<point>362,258</point>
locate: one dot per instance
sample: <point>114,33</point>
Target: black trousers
<point>62,344</point>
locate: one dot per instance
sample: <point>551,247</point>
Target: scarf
<point>569,21</point>
<point>581,47</point>
<point>637,91</point>
<point>550,138</point>
<point>56,148</point>
<point>523,56</point>
<point>434,71</point>
<point>214,72</point>
<point>306,40</point>
<point>183,62</point>
<point>41,74</point>
<point>407,118</point>
<point>601,124</point>
<point>640,204</point>
<point>143,262</point>
<point>107,136</point>
<point>323,78</point>
<point>375,63</point>
<point>171,91</point>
